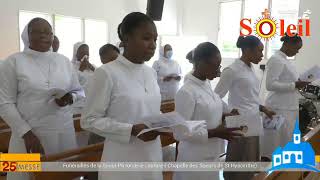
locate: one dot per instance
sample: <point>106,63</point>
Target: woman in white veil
<point>37,89</point>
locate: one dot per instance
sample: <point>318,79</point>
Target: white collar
<point>128,63</point>
<point>282,54</point>
<point>37,53</point>
<point>191,77</point>
<point>243,64</point>
<point>205,85</point>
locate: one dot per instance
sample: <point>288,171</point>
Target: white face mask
<point>169,54</point>
<point>121,49</point>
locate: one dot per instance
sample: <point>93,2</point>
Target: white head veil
<point>161,53</point>
<point>76,46</point>
<point>25,38</point>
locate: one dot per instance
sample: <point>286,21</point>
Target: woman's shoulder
<point>275,59</point>
<point>14,58</point>
<point>188,88</point>
<point>60,57</point>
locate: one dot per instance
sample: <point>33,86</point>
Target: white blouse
<point>242,84</point>
<point>197,101</point>
<point>26,79</point>
<point>165,67</point>
<point>280,82</point>
<point>121,94</point>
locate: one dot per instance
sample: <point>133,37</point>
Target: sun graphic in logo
<point>271,23</point>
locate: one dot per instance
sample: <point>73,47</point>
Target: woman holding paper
<point>26,80</point>
<point>168,72</point>
<point>197,101</point>
<point>80,61</point>
<point>84,69</point>
<point>282,83</point>
<point>121,94</point>
<point>240,80</point>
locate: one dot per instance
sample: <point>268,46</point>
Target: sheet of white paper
<point>311,74</point>
<point>251,123</point>
<point>274,123</point>
<point>57,93</point>
<point>171,122</point>
<point>182,132</point>
<point>163,120</point>
<point>161,129</point>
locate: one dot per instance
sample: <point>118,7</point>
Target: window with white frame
<point>253,10</point>
<point>168,24</point>
<point>232,11</point>
<point>95,36</point>
<point>70,30</point>
<point>287,10</point>
<point>229,28</point>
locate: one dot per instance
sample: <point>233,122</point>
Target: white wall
<point>200,17</point>
<point>309,54</point>
<point>110,10</point>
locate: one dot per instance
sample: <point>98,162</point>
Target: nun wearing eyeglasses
<point>40,121</point>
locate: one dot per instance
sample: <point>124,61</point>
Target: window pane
<point>96,35</point>
<point>68,30</point>
<point>287,10</point>
<point>168,23</point>
<point>254,11</point>
<point>230,14</point>
<point>25,17</point>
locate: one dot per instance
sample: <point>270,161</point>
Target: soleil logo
<point>266,20</point>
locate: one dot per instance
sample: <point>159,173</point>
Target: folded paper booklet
<point>191,128</point>
<point>311,74</point>
<point>57,93</point>
<point>162,122</point>
<point>169,122</point>
<point>251,124</point>
<point>274,123</point>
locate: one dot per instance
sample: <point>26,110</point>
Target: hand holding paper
<point>251,124</point>
<point>172,122</point>
<point>274,123</point>
<point>57,93</point>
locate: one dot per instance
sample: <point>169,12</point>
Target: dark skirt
<point>244,149</point>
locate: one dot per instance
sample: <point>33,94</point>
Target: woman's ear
<point>125,40</point>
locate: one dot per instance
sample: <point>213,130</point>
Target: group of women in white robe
<point>120,94</point>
